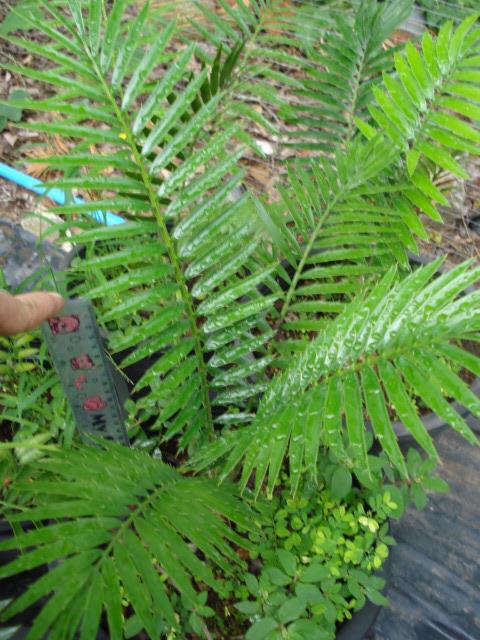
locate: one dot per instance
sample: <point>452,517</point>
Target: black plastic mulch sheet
<point>434,582</point>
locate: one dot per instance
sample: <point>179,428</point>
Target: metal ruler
<point>95,390</point>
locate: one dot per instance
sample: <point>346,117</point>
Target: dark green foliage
<point>121,528</point>
<point>377,355</point>
<point>167,163</point>
<point>273,329</point>
<point>33,408</point>
<point>368,199</point>
<point>438,11</point>
<point>320,551</point>
<point>317,559</point>
<point>346,233</point>
<point>345,64</point>
<point>416,113</point>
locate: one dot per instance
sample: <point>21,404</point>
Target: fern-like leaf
<point>121,530</point>
<point>254,38</point>
<point>429,109</point>
<point>382,353</point>
<point>336,229</point>
<point>346,62</point>
<point>158,161</point>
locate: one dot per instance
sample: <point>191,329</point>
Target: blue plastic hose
<point>57,195</point>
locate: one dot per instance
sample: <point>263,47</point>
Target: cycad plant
<point>273,328</point>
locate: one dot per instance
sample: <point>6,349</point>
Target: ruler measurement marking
<point>76,346</point>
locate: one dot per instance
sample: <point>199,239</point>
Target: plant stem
<point>169,243</point>
<point>355,89</point>
<point>306,253</point>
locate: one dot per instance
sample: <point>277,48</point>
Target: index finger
<point>26,311</point>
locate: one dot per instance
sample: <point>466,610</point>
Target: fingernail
<point>57,296</point>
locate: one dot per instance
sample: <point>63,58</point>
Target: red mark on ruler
<point>94,403</point>
<point>83,361</point>
<point>64,324</point>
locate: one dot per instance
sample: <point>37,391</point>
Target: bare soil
<point>15,143</point>
<point>15,202</point>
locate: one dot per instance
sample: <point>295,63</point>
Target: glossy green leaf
<point>126,53</point>
<point>173,114</point>
<point>404,407</point>
<point>354,419</point>
<point>153,104</point>
<point>112,30</point>
<point>149,60</point>
<point>378,413</point>
<point>432,396</point>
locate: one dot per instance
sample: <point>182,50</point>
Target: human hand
<point>27,310</point>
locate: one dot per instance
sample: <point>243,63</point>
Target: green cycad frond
<point>125,529</point>
<point>344,232</point>
<point>345,64</point>
<point>424,106</point>
<point>336,229</point>
<point>381,355</point>
<point>148,149</point>
<point>261,36</point>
